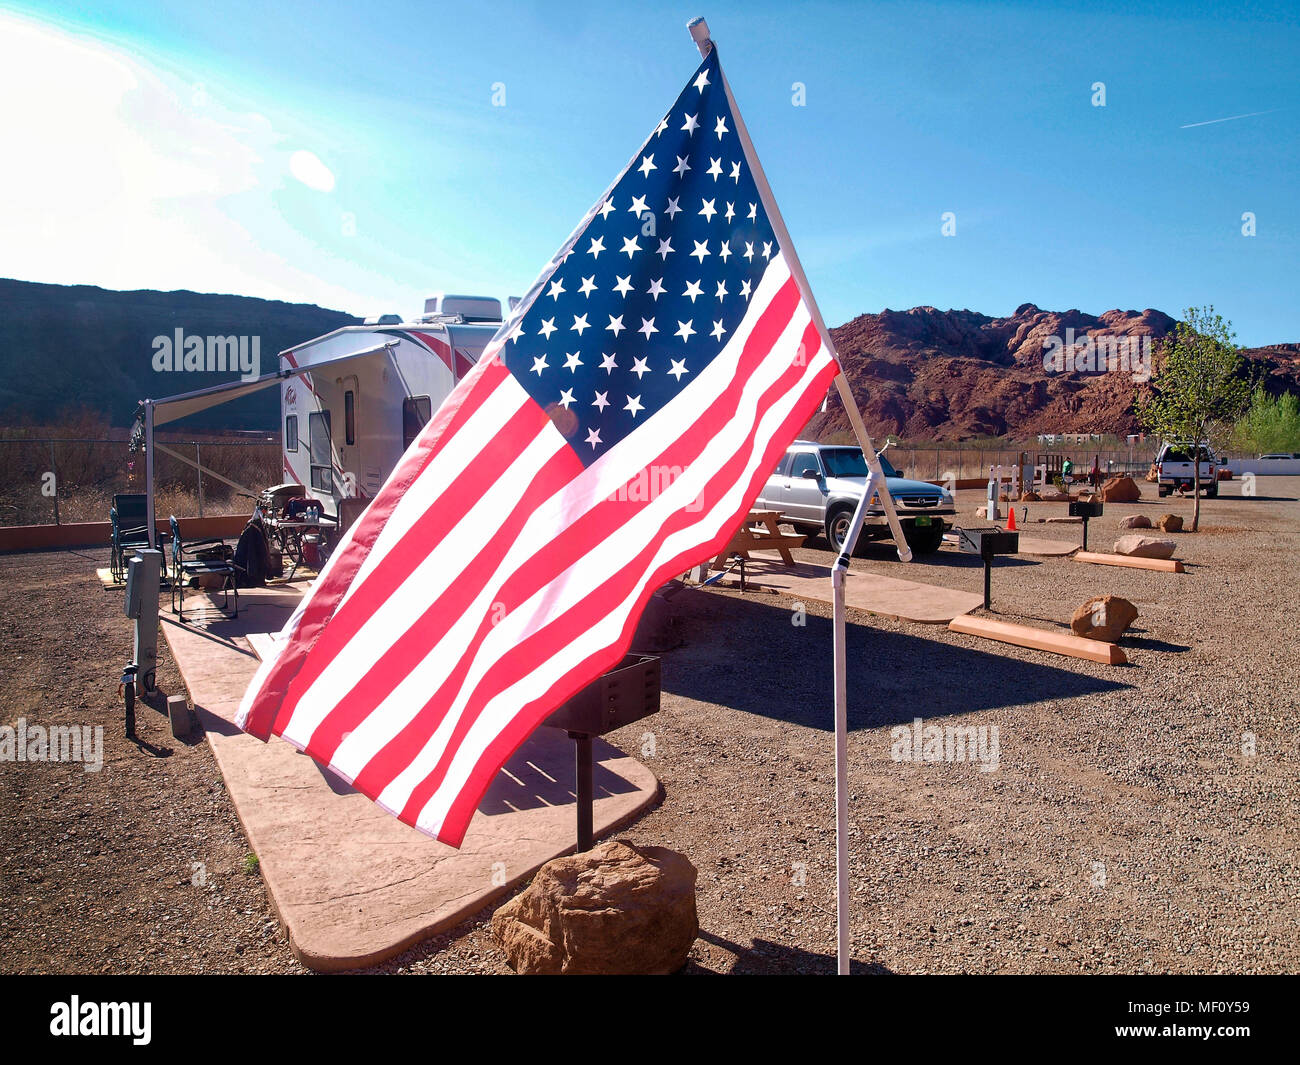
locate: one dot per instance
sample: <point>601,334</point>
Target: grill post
<point>627,693</point>
<point>1080,509</point>
<point>585,790</point>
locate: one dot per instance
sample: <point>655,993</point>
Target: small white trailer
<point>352,401</point>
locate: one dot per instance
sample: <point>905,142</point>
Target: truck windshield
<point>844,462</point>
<point>848,462</point>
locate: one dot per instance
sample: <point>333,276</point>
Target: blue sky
<point>351,154</point>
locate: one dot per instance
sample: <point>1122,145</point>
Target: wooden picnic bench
<point>759,531</point>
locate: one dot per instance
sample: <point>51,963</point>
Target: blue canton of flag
<point>654,285</point>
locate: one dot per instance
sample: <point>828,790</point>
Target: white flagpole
<point>876,484</point>
<point>801,280</point>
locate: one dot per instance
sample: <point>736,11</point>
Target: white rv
<point>351,401</point>
<point>347,419</point>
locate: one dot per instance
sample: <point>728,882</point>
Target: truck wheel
<point>1162,492</point>
<point>1212,492</point>
<point>837,527</point>
<point>925,540</point>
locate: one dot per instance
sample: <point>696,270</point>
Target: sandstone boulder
<point>615,909</point>
<point>1145,547</point>
<point>1169,523</point>
<point>1120,490</point>
<point>1030,497</point>
<point>1103,617</point>
<point>1136,521</point>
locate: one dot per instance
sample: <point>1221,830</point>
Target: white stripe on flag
<point>589,572</point>
<point>606,476</point>
<point>504,705</point>
<point>457,454</point>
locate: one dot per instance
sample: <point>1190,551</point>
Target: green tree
<point>1199,390</point>
<point>1270,424</point>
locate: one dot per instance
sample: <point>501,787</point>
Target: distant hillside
<point>920,373</point>
<point>68,346</point>
<point>954,375</point>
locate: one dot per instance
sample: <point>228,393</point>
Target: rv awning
<point>173,408</point>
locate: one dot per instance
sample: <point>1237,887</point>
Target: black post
<point>988,573</point>
<point>582,764</point>
<point>1085,532</point>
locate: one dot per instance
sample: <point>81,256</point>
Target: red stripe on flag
<point>332,585</point>
<point>512,736</point>
<point>523,658</point>
<point>402,559</point>
<point>410,648</point>
<point>598,523</point>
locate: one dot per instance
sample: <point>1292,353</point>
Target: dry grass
<point>88,473</point>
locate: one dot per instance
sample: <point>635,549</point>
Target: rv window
<point>350,416</point>
<point>318,423</point>
<point>416,412</point>
<point>291,432</point>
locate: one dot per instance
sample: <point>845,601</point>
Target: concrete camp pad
<point>352,884</point>
<point>889,597</point>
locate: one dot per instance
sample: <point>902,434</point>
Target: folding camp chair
<point>129,516</point>
<point>208,564</point>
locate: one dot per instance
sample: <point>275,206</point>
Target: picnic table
<point>759,531</point>
<point>292,533</point>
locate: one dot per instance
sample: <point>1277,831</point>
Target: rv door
<point>319,444</point>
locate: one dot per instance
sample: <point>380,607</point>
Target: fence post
<point>198,464</point>
<point>54,469</point>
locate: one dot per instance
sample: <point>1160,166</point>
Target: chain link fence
<point>49,482</point>
<point>937,463</point>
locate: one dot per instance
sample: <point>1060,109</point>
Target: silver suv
<point>816,488</point>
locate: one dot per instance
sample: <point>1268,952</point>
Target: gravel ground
<point>1128,826</point>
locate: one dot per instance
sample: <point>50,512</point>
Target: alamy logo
<point>1100,354</point>
<point>75,1017</point>
<point>58,743</point>
<point>208,354</point>
<point>650,483</point>
<point>947,743</point>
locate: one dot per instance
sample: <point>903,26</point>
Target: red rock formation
<point>953,375</point>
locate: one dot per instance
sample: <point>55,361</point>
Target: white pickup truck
<point>1174,469</point>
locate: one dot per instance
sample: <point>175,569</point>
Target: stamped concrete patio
<point>352,884</point>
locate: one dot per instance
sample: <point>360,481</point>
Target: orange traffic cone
<point>1011,518</point>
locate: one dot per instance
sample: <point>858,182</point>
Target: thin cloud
<point>1230,118</point>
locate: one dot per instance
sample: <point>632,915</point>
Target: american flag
<point>613,435</point>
